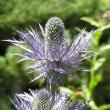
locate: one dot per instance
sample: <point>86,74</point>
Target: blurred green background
<point>77,15</point>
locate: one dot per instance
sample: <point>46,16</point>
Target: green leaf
<point>104,107</point>
<point>93,83</point>
<point>97,36</point>
<point>91,21</point>
<point>98,64</point>
<point>2,62</point>
<point>104,48</point>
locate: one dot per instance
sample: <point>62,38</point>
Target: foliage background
<point>77,15</point>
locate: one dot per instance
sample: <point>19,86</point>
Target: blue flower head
<point>44,100</point>
<point>51,53</point>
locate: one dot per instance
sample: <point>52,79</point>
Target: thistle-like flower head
<point>51,54</point>
<point>44,100</point>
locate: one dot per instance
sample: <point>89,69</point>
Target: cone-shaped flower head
<point>41,100</point>
<point>51,54</point>
<point>54,30</point>
<point>37,100</point>
<point>54,37</point>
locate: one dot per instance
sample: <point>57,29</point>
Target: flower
<point>44,100</point>
<point>51,53</point>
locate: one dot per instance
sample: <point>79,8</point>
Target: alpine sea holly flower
<point>51,53</point>
<point>44,100</point>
